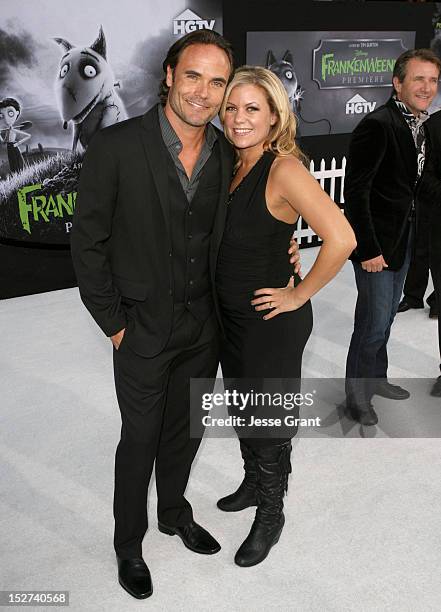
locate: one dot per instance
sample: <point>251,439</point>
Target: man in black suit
<point>148,223</point>
<point>431,202</point>
<point>385,163</point>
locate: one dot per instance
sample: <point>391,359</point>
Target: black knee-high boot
<point>245,496</point>
<point>273,468</point>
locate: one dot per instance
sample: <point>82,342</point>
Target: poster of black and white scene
<point>67,70</point>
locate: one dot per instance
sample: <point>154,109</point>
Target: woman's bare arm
<point>295,188</point>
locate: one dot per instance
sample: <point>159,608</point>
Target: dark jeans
<point>379,294</point>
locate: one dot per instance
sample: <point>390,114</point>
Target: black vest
<point>191,227</point>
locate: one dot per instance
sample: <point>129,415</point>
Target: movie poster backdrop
<point>44,127</point>
<point>66,71</point>
<point>334,78</point>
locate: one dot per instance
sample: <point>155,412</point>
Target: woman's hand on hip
<point>277,300</point>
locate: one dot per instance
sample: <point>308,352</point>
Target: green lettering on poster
<point>38,209</point>
<point>24,207</point>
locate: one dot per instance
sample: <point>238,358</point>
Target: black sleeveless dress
<point>254,255</point>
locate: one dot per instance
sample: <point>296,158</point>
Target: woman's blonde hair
<point>281,137</point>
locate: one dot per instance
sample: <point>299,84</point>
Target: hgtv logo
<point>188,22</point>
<point>358,105</point>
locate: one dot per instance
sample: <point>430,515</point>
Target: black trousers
<point>418,274</point>
<point>153,396</point>
<point>435,266</point>
<point>256,353</point>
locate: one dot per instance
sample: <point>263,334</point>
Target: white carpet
<point>362,530</point>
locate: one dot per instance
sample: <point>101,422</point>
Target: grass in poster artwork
<point>59,170</point>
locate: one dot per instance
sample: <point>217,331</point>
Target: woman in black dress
<point>266,311</point>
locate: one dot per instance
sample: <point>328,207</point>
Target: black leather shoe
<point>436,389</point>
<point>364,416</point>
<point>134,577</point>
<point>433,312</point>
<point>195,537</point>
<point>404,306</point>
<point>395,392</point>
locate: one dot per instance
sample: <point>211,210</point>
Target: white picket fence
<point>328,181</point>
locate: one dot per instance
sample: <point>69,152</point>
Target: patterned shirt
<point>416,127</point>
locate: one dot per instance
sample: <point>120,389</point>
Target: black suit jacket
<point>380,184</point>
<point>121,243</point>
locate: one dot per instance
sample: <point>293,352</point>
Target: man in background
<point>385,164</point>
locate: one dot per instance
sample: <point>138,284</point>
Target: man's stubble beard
<point>183,117</point>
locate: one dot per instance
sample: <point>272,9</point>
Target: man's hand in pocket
<point>117,338</point>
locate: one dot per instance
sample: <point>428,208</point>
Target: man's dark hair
<point>10,102</point>
<point>425,55</point>
<point>198,37</point>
